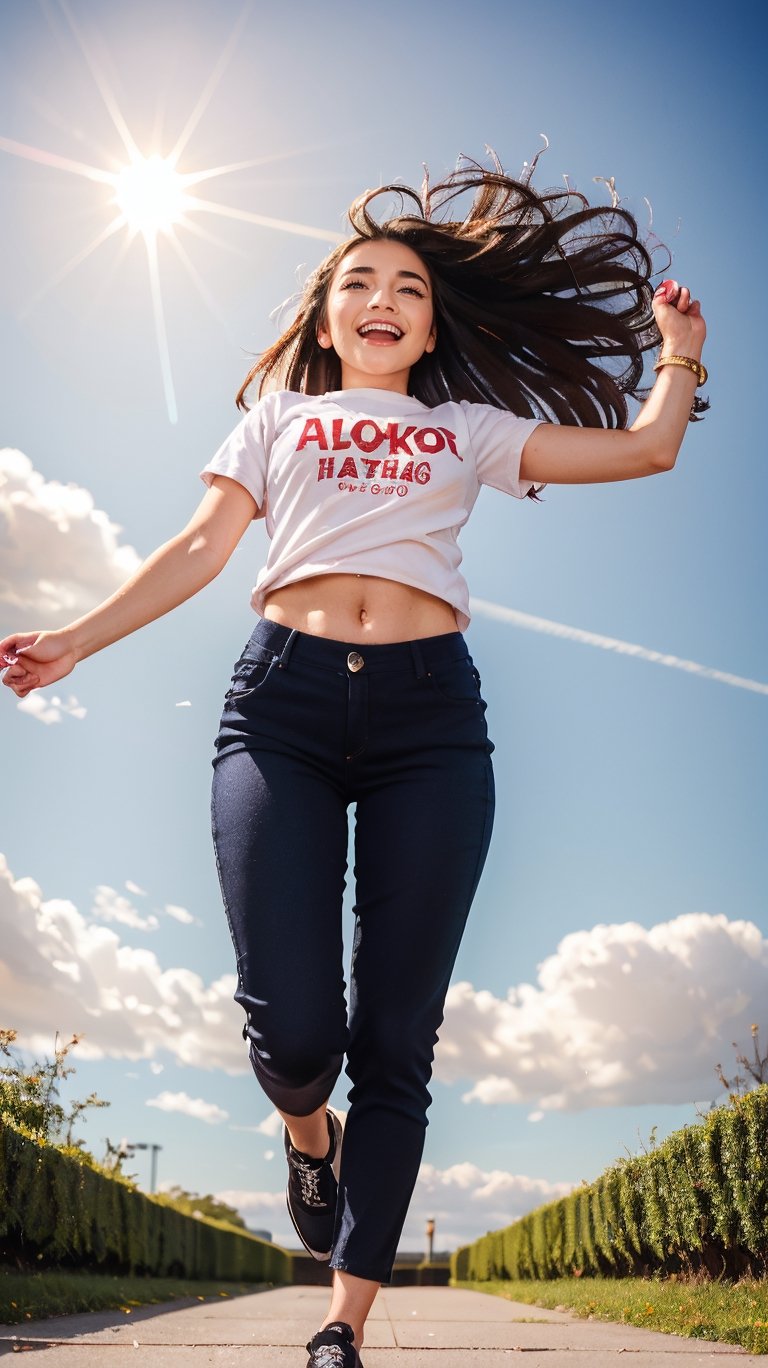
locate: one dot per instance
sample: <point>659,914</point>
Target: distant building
<point>262,1234</point>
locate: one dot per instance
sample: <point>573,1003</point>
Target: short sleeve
<point>497,438</point>
<point>243,457</point>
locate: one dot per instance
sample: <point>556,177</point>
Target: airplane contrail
<point>560,629</point>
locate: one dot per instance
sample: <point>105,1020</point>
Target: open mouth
<point>384,332</point>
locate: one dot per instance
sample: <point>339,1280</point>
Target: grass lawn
<point>732,1313</point>
<point>28,1297</point>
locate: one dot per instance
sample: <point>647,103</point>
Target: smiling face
<point>379,315</point>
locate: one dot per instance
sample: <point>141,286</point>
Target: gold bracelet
<point>690,364</point>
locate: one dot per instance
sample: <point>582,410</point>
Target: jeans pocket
<point>457,681</point>
<point>250,673</point>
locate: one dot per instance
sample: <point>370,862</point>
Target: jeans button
<point>355,661</point>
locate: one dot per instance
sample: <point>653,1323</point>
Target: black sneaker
<point>313,1186</point>
<point>333,1348</point>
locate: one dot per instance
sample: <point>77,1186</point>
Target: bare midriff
<point>359,608</point>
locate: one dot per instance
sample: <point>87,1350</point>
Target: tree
<point>191,1203</point>
<point>757,1069</point>
<point>29,1097</point>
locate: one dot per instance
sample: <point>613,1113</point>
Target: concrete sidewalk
<point>430,1327</point>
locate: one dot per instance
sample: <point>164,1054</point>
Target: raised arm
<point>555,454</point>
<point>173,573</point>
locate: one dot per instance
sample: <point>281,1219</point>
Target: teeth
<point>380,327</point>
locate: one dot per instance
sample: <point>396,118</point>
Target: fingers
<point>22,687</point>
<point>13,645</point>
<point>16,677</point>
<point>17,672</point>
<point>678,296</point>
<point>15,681</point>
<point>667,292</point>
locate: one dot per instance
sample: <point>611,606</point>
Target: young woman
<point>429,355</point>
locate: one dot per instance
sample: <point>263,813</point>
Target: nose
<point>382,299</point>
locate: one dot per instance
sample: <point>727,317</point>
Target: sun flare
<point>152,198</point>
<point>150,194</point>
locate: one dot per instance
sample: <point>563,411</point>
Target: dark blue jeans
<point>309,726</point>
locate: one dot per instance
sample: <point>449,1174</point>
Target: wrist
<point>71,639</point>
<point>670,347</point>
<point>674,360</point>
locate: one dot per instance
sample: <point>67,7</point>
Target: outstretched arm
<point>555,454</point>
<point>169,576</point>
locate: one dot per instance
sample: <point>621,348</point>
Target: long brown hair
<point>542,301</point>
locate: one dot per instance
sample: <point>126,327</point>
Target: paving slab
<point>408,1328</point>
<point>227,1356</point>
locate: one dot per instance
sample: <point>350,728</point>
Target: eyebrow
<point>370,270</point>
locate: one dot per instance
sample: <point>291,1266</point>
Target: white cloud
<point>50,709</point>
<point>180,914</point>
<point>110,906</point>
<point>271,1125</point>
<point>189,1106</point>
<point>59,971</point>
<point>134,888</point>
<point>622,1014</point>
<point>155,1067</point>
<point>263,1211</point>
<point>463,1200</point>
<point>47,524</point>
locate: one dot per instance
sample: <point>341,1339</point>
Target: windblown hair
<point>542,301</point>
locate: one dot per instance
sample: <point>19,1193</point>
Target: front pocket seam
<point>241,684</point>
<point>457,698</point>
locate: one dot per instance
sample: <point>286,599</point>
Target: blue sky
<point>618,940</point>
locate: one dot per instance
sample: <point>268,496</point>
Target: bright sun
<point>153,198</point>
<point>150,194</point>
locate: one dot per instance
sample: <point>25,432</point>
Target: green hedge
<point>58,1211</point>
<point>699,1201</point>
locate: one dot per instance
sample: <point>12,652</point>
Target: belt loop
<point>285,654</point>
<point>418,660</point>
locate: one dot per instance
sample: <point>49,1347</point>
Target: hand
<point>35,659</point>
<point>679,320</point>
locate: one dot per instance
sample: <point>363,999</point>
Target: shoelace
<point>329,1356</point>
<point>309,1178</point>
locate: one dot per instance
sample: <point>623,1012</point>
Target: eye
<point>351,284</point>
<point>414,289</point>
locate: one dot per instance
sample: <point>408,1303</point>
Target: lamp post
<point>430,1237</point>
<point>142,1145</point>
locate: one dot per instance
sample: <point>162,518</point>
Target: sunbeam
<point>198,231</point>
<point>90,310</point>
<point>284,225</point>
<point>162,338</point>
<point>100,81</point>
<point>210,86</point>
<point>151,193</point>
<point>36,154</point>
<point>48,285</point>
<point>197,281</point>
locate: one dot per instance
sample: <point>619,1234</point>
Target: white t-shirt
<point>370,482</point>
